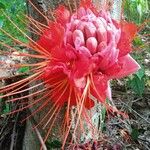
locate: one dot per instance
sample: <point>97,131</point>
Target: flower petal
<point>130,29</point>
<point>99,89</point>
<point>62,15</point>
<point>80,83</point>
<point>109,56</point>
<point>82,66</point>
<point>126,65</point>
<point>64,54</point>
<point>52,37</point>
<point>124,45</point>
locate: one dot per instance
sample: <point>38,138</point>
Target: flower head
<point>87,44</point>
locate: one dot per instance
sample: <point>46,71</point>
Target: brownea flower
<point>80,53</point>
<point>86,47</point>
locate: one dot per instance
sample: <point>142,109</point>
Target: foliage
<point>5,107</point>
<point>135,134</point>
<point>137,10</point>
<point>23,69</point>
<point>137,85</point>
<point>53,144</point>
<point>15,10</point>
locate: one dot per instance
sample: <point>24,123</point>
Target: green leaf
<point>54,144</point>
<point>2,6</point>
<point>23,70</point>
<point>141,73</point>
<point>137,85</point>
<point>146,6</point>
<point>23,39</point>
<point>1,23</point>
<point>6,108</point>
<point>103,113</point>
<point>103,117</point>
<point>138,41</point>
<point>139,9</point>
<point>135,134</point>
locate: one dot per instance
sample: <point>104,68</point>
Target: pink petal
<point>109,56</point>
<point>90,30</point>
<point>84,51</point>
<point>74,24</point>
<point>101,34</point>
<point>80,83</point>
<point>81,12</point>
<point>81,25</point>
<point>125,66</point>
<point>98,22</point>
<point>78,38</point>
<point>91,44</point>
<point>101,46</point>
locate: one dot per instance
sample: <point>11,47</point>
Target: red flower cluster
<point>87,50</point>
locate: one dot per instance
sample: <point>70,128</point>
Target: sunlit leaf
<point>103,117</point>
<point>148,83</point>
<point>1,22</point>
<point>139,9</point>
<point>23,70</point>
<point>137,85</point>
<point>138,41</point>
<point>141,73</point>
<point>2,6</point>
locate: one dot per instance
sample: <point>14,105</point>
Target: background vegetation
<point>16,10</point>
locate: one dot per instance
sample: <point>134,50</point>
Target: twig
<point>136,112</point>
<point>144,140</point>
<point>14,133</point>
<point>40,139</point>
<point>145,145</point>
<point>3,127</point>
<point>33,122</point>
